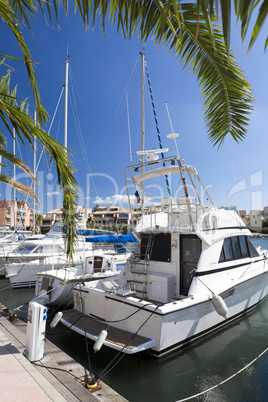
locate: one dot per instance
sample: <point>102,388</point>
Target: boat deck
<point>82,323</point>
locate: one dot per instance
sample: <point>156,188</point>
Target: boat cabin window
<point>243,246</point>
<point>252,249</point>
<point>237,247</point>
<point>157,246</point>
<point>25,248</point>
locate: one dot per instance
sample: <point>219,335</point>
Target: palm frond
<point>18,162</point>
<point>14,115</point>
<point>225,90</point>
<point>226,93</point>
<point>15,161</point>
<point>263,12</point>
<point>7,14</point>
<point>245,12</point>
<point>22,188</point>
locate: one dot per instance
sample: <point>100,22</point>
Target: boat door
<point>97,264</point>
<point>190,250</point>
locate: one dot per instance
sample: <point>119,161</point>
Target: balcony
<point>46,222</point>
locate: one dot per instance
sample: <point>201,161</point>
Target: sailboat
<point>54,282</point>
<point>194,269</point>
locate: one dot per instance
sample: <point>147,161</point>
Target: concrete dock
<point>56,377</point>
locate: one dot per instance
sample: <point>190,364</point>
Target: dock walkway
<point>53,378</point>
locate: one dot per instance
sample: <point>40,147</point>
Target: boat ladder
<point>141,263</point>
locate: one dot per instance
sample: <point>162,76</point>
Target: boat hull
<point>173,324</point>
<point>25,275</point>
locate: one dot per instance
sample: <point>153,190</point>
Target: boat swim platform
<point>117,338</point>
<point>49,379</point>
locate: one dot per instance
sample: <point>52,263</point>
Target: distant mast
<point>14,176</point>
<point>34,184</point>
<point>66,100</point>
<point>142,127</point>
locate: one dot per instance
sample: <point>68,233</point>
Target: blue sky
<point>101,70</point>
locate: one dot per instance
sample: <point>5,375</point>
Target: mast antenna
<point>172,135</point>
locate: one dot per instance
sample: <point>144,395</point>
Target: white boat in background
<point>36,255</point>
<point>194,270</point>
<point>36,248</point>
<point>9,242</point>
<point>54,287</point>
<point>38,252</point>
<point>25,274</point>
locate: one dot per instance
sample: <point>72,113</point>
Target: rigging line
<point>127,85</point>
<point>78,125</point>
<point>236,192</point>
<point>82,139</point>
<point>49,166</point>
<point>235,182</point>
<point>129,134</point>
<point>52,121</point>
<point>77,121</point>
<point>26,177</point>
<point>41,154</point>
<point>112,137</point>
<point>149,195</point>
<point>156,124</point>
<point>76,118</point>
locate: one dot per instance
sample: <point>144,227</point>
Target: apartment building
<point>105,217</point>
<point>21,216</point>
<point>265,213</point>
<point>56,215</point>
<point>255,219</point>
<point>243,215</point>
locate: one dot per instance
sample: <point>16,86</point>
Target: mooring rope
<point>224,381</point>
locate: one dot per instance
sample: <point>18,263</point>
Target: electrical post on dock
<point>35,334</point>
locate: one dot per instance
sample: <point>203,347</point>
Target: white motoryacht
<point>34,254</point>
<point>194,268</point>
<point>9,241</point>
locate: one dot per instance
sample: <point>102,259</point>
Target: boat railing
<point>178,214</point>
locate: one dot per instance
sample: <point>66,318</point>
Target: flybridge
<point>164,167</point>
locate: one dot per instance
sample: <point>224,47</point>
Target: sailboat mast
<point>142,127</point>
<point>66,100</point>
<point>34,171</point>
<point>14,175</point>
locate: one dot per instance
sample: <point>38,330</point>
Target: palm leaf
<point>22,188</point>
<point>226,92</point>
<point>7,15</point>
<point>14,115</point>
<point>19,163</point>
<point>263,11</point>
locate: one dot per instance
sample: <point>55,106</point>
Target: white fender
<point>56,319</point>
<point>99,342</point>
<point>219,305</point>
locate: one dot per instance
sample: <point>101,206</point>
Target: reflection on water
<point>183,373</point>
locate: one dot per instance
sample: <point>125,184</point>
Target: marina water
<point>180,374</point>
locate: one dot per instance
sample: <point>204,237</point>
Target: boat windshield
<point>57,228</point>
<point>25,248</point>
<point>33,249</point>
